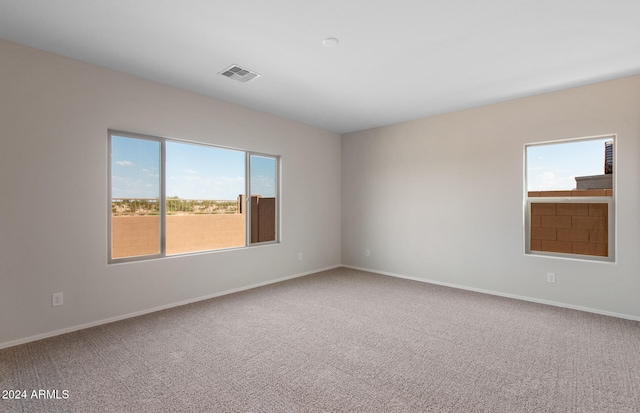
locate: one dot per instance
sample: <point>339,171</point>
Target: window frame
<point>163,196</point>
<point>609,200</point>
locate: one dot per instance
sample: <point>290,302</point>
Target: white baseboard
<point>277,280</point>
<point>500,294</point>
<point>152,310</point>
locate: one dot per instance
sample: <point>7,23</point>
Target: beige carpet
<point>340,340</point>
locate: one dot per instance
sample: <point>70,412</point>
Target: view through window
<point>170,197</point>
<point>569,198</point>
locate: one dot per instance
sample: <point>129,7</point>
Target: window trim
<point>609,200</point>
<point>163,197</point>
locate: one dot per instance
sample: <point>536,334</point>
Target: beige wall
<point>459,179</point>
<point>54,117</point>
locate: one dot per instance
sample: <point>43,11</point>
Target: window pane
<point>264,175</point>
<point>169,197</point>
<point>135,197</point>
<point>205,193</point>
<point>556,166</point>
<point>569,196</point>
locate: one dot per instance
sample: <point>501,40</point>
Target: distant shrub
<point>175,206</point>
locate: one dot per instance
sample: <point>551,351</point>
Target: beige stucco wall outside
<point>139,235</point>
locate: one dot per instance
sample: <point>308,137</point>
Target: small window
<point>569,208</point>
<point>170,197</point>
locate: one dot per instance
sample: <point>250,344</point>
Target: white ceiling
<point>396,60</point>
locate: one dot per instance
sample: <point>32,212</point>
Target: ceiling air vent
<point>238,73</point>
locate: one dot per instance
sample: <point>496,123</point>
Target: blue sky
<point>555,166</point>
<point>192,171</point>
<point>135,168</point>
<point>263,173</point>
<point>204,172</point>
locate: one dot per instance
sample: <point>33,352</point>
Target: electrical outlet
<point>551,277</point>
<point>300,256</point>
<point>56,299</point>
<point>367,253</point>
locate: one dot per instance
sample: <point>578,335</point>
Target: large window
<point>169,197</point>
<point>569,198</point>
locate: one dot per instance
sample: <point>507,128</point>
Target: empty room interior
<point>431,206</point>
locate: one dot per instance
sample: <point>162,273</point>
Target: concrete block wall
<point>263,222</point>
<point>567,227</point>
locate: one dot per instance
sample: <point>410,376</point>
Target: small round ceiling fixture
<point>330,42</point>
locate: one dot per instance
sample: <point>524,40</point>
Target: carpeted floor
<point>340,340</point>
